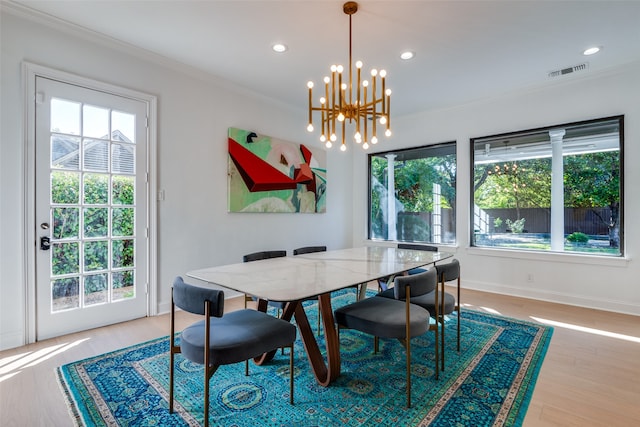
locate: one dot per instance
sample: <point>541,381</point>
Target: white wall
<point>194,113</point>
<point>586,281</point>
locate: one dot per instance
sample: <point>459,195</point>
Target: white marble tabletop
<point>298,277</point>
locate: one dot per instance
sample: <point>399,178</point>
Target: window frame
<point>437,146</point>
<point>505,135</point>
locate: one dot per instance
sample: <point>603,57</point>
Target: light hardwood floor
<point>590,376</point>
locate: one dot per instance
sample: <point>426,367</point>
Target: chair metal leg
<point>291,375</point>
<point>459,309</point>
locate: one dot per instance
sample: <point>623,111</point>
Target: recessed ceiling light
<point>591,50</point>
<point>407,55</point>
<point>279,47</point>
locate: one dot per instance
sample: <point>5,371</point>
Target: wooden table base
<point>325,372</point>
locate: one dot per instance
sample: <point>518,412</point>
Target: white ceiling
<point>465,50</point>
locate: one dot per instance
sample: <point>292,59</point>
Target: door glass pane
<point>96,155</point>
<point>123,190</point>
<point>123,285</point>
<point>95,122</point>
<point>64,294</point>
<point>122,222</point>
<point>65,152</point>
<point>96,222</point>
<point>123,158</point>
<point>123,126</point>
<point>65,223</point>
<point>123,253</point>
<point>65,187</point>
<point>96,288</point>
<point>96,255</point>
<point>65,258</point>
<point>65,116</point>
<point>96,189</point>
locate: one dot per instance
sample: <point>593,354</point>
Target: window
<point>423,184</point>
<point>555,189</point>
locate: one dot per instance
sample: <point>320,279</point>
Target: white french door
<point>91,208</point>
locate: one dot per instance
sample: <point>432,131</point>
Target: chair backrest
<point>421,283</point>
<point>257,256</point>
<point>309,249</point>
<point>192,298</point>
<point>417,247</point>
<point>450,271</point>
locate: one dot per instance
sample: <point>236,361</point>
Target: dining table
<point>293,279</point>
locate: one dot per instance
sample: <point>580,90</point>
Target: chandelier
<point>346,101</point>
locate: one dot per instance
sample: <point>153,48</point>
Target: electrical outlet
<point>530,277</point>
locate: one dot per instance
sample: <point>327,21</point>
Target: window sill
<point>559,257</point>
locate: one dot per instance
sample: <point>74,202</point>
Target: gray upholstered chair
<point>393,318</point>
<point>257,256</point>
<point>222,339</point>
<point>430,301</point>
<point>448,273</point>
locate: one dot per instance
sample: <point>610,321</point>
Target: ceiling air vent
<point>580,67</point>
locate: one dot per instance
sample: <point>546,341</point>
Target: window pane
<point>551,189</point>
<point>64,258</point>
<point>123,125</point>
<point>123,190</point>
<point>96,155</point>
<point>64,294</point>
<point>412,195</point>
<point>95,122</point>
<point>123,285</point>
<point>95,289</point>
<point>65,188</point>
<point>123,253</point>
<point>65,152</point>
<point>65,116</point>
<point>123,158</point>
<point>96,255</point>
<point>96,222</point>
<point>122,222</point>
<point>96,189</point>
<point>66,223</point>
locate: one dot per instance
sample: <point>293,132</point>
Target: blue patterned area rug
<point>488,383</point>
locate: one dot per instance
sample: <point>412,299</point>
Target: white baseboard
<point>11,340</point>
<point>556,297</point>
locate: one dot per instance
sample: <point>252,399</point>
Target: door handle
<point>45,243</point>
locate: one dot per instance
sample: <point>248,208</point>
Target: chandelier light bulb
<point>383,73</point>
<point>365,146</point>
<point>365,83</point>
<point>340,68</point>
<point>358,64</point>
<point>358,137</point>
<point>334,68</point>
<point>343,147</point>
<point>310,128</point>
<point>327,79</point>
<point>383,120</point>
<point>310,84</point>
<point>374,140</point>
<point>344,86</point>
<point>374,72</point>
<point>328,144</point>
<point>323,138</point>
<point>322,100</point>
<point>387,133</point>
<point>333,138</point>
<point>341,117</point>
<point>388,92</point>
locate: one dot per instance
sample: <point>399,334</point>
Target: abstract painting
<point>270,175</point>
